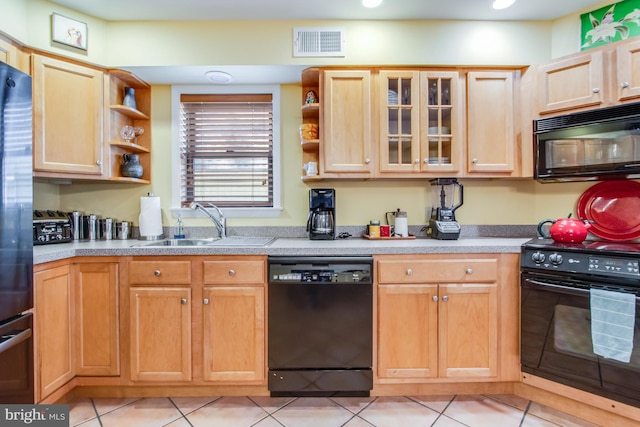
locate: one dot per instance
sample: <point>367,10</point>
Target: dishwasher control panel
<point>320,270</point>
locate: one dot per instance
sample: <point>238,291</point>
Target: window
<point>227,148</point>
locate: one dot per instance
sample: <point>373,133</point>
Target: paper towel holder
<point>147,237</point>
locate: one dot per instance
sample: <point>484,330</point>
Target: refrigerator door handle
<point>13,339</point>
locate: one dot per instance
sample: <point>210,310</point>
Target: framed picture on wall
<point>68,31</point>
<point>618,21</point>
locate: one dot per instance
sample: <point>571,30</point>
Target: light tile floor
<point>409,411</point>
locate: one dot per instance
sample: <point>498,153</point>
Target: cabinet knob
<point>469,270</point>
<point>595,90</point>
<point>232,272</point>
<point>156,273</point>
<point>474,161</point>
<point>367,161</point>
<point>205,301</point>
<point>417,161</point>
<point>99,162</point>
<point>624,85</point>
<point>183,301</point>
<point>435,298</point>
<point>409,272</point>
<point>445,298</point>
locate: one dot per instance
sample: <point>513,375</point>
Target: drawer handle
<point>183,301</point>
<point>435,298</point>
<point>156,273</point>
<point>205,301</point>
<point>595,90</point>
<point>409,272</point>
<point>469,270</point>
<point>624,85</point>
<point>445,298</point>
<point>232,272</point>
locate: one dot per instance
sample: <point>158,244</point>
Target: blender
<point>443,224</point>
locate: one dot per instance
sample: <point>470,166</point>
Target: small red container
<point>385,230</point>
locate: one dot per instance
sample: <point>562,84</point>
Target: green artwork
<point>609,24</point>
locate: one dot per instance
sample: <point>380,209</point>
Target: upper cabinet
<point>598,77</point>
<point>412,122</point>
<point>491,123</point>
<point>79,116</point>
<point>68,119</point>
<point>346,121</point>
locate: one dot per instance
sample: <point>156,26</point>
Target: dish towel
<point>613,317</point>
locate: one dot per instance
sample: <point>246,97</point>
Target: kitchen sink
<point>236,241</point>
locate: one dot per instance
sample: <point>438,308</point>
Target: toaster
<point>51,227</point>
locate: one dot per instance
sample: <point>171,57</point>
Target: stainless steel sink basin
<point>178,242</point>
<point>236,241</point>
<point>243,241</point>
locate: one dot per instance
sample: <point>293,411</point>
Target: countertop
<point>286,247</point>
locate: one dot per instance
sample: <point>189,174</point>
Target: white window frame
<point>248,212</point>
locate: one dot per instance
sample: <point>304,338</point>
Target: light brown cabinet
<point>346,144</point>
<point>54,329</point>
<point>160,299</point>
<point>97,323</point>
<point>442,318</point>
<point>68,119</point>
<point>492,141</point>
<point>598,77</point>
<point>198,320</point>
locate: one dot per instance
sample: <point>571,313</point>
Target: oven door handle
<point>14,340</point>
<point>555,286</point>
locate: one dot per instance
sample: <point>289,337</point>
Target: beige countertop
<point>284,247</point>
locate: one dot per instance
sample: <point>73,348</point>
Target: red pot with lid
<point>566,230</point>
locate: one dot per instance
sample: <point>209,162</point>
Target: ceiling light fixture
<point>502,4</point>
<point>219,77</point>
<point>371,3</point>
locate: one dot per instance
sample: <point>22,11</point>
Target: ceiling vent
<point>318,42</point>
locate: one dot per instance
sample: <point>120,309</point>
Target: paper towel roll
<point>150,219</point>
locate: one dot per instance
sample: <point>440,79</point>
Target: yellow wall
<point>121,44</point>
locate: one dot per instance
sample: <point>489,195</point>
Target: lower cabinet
<point>197,319</point>
<point>54,327</point>
<point>160,334</point>
<point>447,319</point>
<point>97,324</point>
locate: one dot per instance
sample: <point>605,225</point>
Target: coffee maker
<point>443,224</point>
<point>322,212</point>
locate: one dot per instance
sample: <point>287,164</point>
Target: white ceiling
<point>134,10</point>
<point>166,10</point>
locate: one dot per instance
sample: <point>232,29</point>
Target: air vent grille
<point>318,42</point>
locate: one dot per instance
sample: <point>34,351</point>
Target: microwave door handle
<point>14,340</point>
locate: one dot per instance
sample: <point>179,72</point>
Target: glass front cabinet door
<point>440,136</point>
<point>419,128</point>
<point>399,121</point>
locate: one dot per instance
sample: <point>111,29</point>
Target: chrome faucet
<point>221,223</point>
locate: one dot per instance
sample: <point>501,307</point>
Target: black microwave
<point>590,145</point>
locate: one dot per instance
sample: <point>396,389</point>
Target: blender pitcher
<point>447,197</point>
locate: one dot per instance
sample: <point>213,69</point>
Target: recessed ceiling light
<point>502,4</point>
<point>219,77</point>
<point>371,3</point>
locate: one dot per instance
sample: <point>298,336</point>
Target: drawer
<point>225,272</point>
<point>160,272</point>
<point>437,270</point>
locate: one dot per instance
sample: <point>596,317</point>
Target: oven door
<point>556,339</point>
<point>16,360</point>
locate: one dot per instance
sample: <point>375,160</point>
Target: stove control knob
<point>538,257</point>
<point>555,259</point>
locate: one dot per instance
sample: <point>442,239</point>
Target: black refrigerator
<point>16,237</point>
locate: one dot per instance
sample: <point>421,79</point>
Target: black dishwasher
<point>320,340</point>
